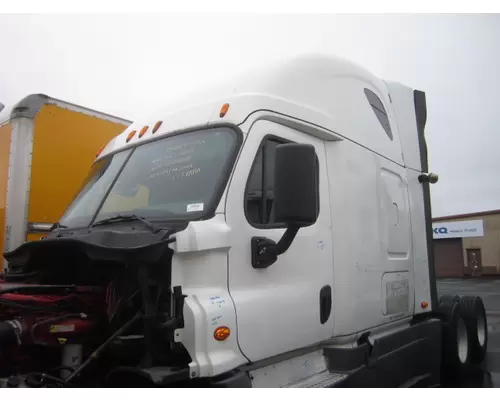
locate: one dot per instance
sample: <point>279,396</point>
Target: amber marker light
<point>157,126</point>
<point>222,333</point>
<point>143,131</point>
<point>223,110</point>
<point>130,136</point>
<point>100,151</point>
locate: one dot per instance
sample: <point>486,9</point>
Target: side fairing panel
<point>404,111</point>
<point>423,287</point>
<point>372,245</point>
<point>411,113</point>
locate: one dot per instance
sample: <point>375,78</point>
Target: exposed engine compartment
<point>79,311</point>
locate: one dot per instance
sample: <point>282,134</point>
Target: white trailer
<point>296,218</point>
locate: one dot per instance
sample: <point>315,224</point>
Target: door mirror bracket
<point>265,251</point>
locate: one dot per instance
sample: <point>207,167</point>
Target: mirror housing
<point>296,199</point>
<point>296,185</point>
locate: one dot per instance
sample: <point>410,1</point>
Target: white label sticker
<point>194,207</point>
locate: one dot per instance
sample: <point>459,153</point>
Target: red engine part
<point>51,319</point>
<point>59,330</point>
<point>87,298</point>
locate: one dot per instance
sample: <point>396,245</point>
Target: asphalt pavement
<point>489,291</point>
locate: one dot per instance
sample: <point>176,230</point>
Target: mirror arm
<point>265,251</point>
<point>285,241</point>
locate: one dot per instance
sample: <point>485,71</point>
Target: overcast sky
<point>130,65</point>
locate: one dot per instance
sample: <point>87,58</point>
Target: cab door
<point>287,305</point>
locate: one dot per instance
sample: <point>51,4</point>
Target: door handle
<point>325,303</point>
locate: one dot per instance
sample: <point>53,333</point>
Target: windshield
<point>177,177</point>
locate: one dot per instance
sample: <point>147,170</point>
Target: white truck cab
<point>296,209</point>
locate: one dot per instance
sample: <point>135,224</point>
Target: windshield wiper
<point>58,226</point>
<point>129,217</point>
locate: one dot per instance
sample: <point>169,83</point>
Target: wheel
<point>444,305</point>
<point>448,299</point>
<point>455,341</point>
<point>474,315</point>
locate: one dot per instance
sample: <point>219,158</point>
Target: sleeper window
<point>379,110</point>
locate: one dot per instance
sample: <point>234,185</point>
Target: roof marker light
<point>224,109</point>
<point>100,151</point>
<point>130,136</point>
<point>157,126</point>
<point>143,131</point>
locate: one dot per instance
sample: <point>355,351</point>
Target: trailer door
<point>5,135</point>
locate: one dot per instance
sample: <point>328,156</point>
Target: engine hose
<point>10,334</point>
<point>29,307</point>
<point>97,352</point>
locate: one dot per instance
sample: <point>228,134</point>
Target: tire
<point>456,354</point>
<point>474,314</point>
<point>448,299</point>
<point>444,305</point>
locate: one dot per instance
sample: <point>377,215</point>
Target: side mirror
<point>296,199</point>
<point>296,185</point>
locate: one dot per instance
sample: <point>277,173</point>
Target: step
<point>322,380</point>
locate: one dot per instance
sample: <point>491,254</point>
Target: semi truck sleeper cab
<point>233,243</point>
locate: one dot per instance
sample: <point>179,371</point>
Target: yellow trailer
<point>46,148</point>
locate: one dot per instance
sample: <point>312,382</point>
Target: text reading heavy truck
<point>46,148</point>
<point>279,236</point>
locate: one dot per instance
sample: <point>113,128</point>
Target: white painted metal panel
<point>419,238</point>
<point>200,266</point>
<point>404,108</point>
<point>278,307</point>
